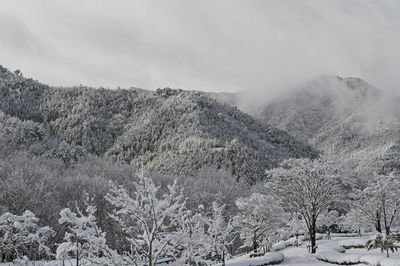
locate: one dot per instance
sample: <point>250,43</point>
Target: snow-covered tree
<point>214,185</point>
<point>84,240</point>
<point>366,209</point>
<point>191,237</point>
<point>379,203</point>
<point>21,236</point>
<point>148,219</point>
<point>329,219</point>
<point>308,187</point>
<point>259,216</point>
<point>356,221</point>
<point>381,241</point>
<point>296,226</point>
<point>220,234</point>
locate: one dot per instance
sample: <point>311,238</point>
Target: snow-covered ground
<point>270,258</point>
<point>299,256</point>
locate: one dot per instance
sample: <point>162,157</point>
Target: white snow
<point>278,246</point>
<point>329,250</point>
<point>333,256</point>
<point>332,251</point>
<point>353,243</point>
<point>373,256</point>
<point>371,259</point>
<point>390,262</point>
<point>268,258</point>
<point>290,242</point>
<point>329,253</point>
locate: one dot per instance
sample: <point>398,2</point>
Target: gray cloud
<point>260,46</point>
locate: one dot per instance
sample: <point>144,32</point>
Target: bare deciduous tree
<point>309,187</point>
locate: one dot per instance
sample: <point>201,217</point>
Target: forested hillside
<point>172,131</point>
<point>343,117</point>
<point>57,144</point>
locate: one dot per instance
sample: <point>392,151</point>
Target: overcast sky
<point>203,45</point>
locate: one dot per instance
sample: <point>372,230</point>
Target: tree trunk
<point>378,222</point>
<point>312,237</point>
<point>151,254</point>
<point>255,243</point>
<point>387,229</point>
<point>77,253</point>
<point>385,220</point>
<point>312,242</point>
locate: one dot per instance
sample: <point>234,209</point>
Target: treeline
<point>134,219</point>
<point>46,186</point>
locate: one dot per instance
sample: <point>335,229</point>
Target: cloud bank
<point>226,45</point>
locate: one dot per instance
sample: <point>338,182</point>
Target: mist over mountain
<point>171,131</point>
<point>199,133</point>
<point>179,132</point>
<point>342,117</point>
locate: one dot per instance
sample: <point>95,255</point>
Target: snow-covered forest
<point>74,192</point>
<point>200,133</point>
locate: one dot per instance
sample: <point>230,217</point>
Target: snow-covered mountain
<point>174,132</point>
<point>178,131</point>
<point>344,117</point>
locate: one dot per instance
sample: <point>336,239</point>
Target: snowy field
<point>300,257</point>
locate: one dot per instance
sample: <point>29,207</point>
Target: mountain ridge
<point>171,131</point>
<point>343,117</point>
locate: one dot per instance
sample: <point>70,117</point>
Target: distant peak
<point>354,83</point>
